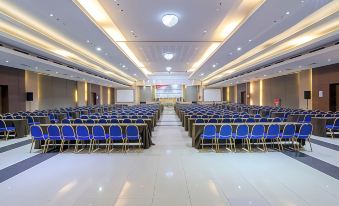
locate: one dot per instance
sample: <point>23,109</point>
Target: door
<point>243,97</point>
<point>94,98</point>
<point>4,106</point>
<point>334,97</point>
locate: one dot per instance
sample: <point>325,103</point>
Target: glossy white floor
<point>170,173</point>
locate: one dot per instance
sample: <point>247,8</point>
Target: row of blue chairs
<point>332,128</point>
<point>82,136</point>
<point>238,120</point>
<point>256,136</point>
<point>6,131</point>
<point>103,121</point>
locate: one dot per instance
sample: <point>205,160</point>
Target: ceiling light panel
<point>94,10</point>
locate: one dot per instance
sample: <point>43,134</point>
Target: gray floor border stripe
<point>315,163</point>
<point>24,165</point>
<point>15,145</point>
<point>325,144</point>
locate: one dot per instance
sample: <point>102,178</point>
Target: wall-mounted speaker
<point>29,96</point>
<point>307,94</point>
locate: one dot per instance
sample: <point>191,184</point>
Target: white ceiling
<point>150,38</point>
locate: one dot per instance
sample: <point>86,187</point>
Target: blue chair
<point>90,121</point>
<point>242,133</point>
<point>140,121</point>
<point>6,130</point>
<point>209,133</point>
<point>276,119</point>
<point>38,135</point>
<point>212,121</point>
<point>18,117</point>
<point>99,134</point>
<point>238,120</point>
<point>199,121</point>
<point>115,134</point>
<point>127,121</point>
<point>304,134</point>
<point>114,121</point>
<point>65,121</point>
<point>257,116</point>
<point>84,117</point>
<point>68,134</point>
<point>263,119</point>
<point>132,134</point>
<point>78,121</point>
<point>333,127</point>
<point>144,117</point>
<point>102,121</point>
<point>54,134</point>
<point>52,119</point>
<point>30,121</point>
<point>226,120</point>
<point>250,120</point>
<point>134,117</point>
<point>9,117</point>
<point>257,134</point>
<point>272,134</point>
<point>287,134</point>
<point>225,133</point>
<point>307,119</point>
<point>83,135</point>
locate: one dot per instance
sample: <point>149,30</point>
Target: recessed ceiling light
<point>205,31</point>
<point>87,41</point>
<point>135,74</point>
<point>170,20</point>
<point>265,75</point>
<point>7,61</point>
<point>71,76</point>
<point>280,71</point>
<point>51,14</point>
<point>202,74</point>
<point>98,49</point>
<point>123,66</point>
<point>36,67</point>
<point>57,72</point>
<point>287,12</point>
<point>168,69</point>
<point>168,56</point>
<point>249,40</point>
<point>239,48</point>
<point>329,60</point>
<point>214,65</point>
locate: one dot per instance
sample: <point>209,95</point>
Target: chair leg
<point>46,146</point>
<point>309,141</point>
<point>33,141</point>
<point>62,145</point>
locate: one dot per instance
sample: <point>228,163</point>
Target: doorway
<point>94,98</point>
<point>334,97</point>
<point>243,97</point>
<point>4,106</point>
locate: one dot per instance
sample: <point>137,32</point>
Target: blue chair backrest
<point>51,116</point>
<point>2,124</point>
<point>67,131</point>
<point>307,118</point>
<point>65,121</point>
<point>250,120</point>
<point>212,121</point>
<point>82,131</point>
<point>98,132</point>
<point>115,131</point>
<point>139,121</point>
<point>134,117</point>
<point>102,121</point>
<point>30,120</point>
<point>204,116</point>
<point>90,121</point>
<point>210,130</point>
<point>36,132</point>
<point>273,131</point>
<point>199,121</point>
<point>336,122</point>
<point>289,130</point>
<point>276,119</point>
<point>215,116</point>
<point>226,130</point>
<point>242,131</point>
<point>305,131</point>
<point>124,116</point>
<point>84,117</point>
<point>9,117</point>
<point>127,121</point>
<point>78,121</point>
<point>114,121</point>
<point>258,130</point>
<point>53,131</point>
<point>94,117</point>
<point>263,119</point>
<point>132,131</point>
<point>18,117</point>
<point>238,120</point>
<point>226,120</point>
<point>257,116</point>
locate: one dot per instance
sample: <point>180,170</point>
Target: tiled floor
<point>170,173</point>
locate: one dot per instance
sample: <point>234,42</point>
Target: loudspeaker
<point>29,96</point>
<point>307,94</point>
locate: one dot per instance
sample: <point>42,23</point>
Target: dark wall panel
<point>15,80</point>
<point>322,77</point>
